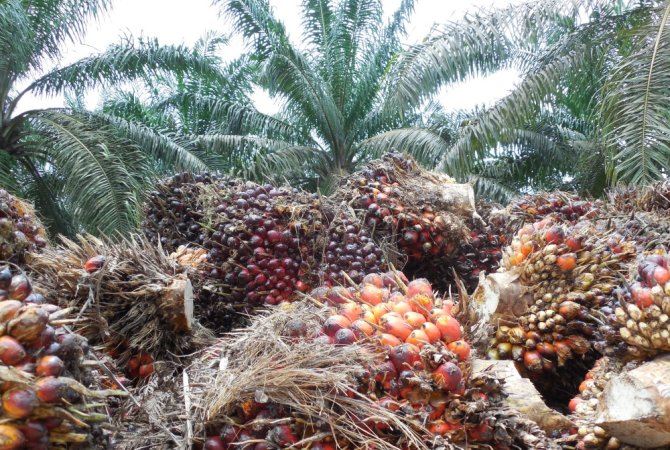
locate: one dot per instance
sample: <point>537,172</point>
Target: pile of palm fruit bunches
<point>592,280</point>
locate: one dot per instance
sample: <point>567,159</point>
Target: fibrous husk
<point>135,301</point>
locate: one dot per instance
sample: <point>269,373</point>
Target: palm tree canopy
<point>85,171</point>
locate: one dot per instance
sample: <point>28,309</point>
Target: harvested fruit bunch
<point>482,253</point>
<point>653,198</point>
<point>357,373</point>
<point>643,314</point>
<point>133,299</point>
<point>560,206</point>
<point>571,273</point>
<point>172,213</point>
<point>261,243</point>
<point>43,404</point>
<point>20,230</point>
<point>422,212</point>
<point>350,251</point>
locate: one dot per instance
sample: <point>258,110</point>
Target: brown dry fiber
<point>261,364</point>
<point>139,295</point>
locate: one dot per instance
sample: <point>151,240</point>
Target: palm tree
<point>589,109</point>
<point>333,93</point>
<point>84,171</point>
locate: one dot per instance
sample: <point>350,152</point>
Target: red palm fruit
<point>397,327</point>
<point>283,436</point>
<point>371,294</point>
<point>324,339</point>
<point>404,356</point>
<point>449,328</point>
<point>19,288</point>
<point>8,309</point>
<point>36,433</point>
<point>214,443</point>
<point>440,427</point>
<point>362,329</point>
<point>396,297</point>
<point>418,338</point>
<point>335,323</point>
<point>546,349</point>
<point>421,303</point>
<point>11,351</point>
<point>145,370</point>
<point>419,286</point>
<point>344,336</point>
<point>389,402</point>
<point>526,249</point>
<point>460,348</point>
<point>447,306</point>
<point>19,403</point>
<point>532,360</point>
<point>435,412</point>
<point>381,309</point>
<point>374,279</point>
<point>481,433</point>
<point>554,235</point>
<point>339,295</point>
<point>51,389</point>
<point>301,286</point>
<point>574,244</point>
<point>432,332</point>
<point>351,311</point>
<point>415,319</point>
<point>436,313</point>
<point>642,297</point>
<point>389,340</point>
<point>401,308</point>
<point>229,434</point>
<point>567,262</point>
<point>385,372</point>
<point>11,438</point>
<point>94,264</point>
<point>369,316</point>
<point>49,365</point>
<point>28,324</point>
<point>583,385</point>
<point>661,275</point>
<point>448,376</point>
<point>572,405</point>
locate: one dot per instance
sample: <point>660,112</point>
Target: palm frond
<point>634,115</point>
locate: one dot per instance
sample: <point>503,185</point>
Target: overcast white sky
<point>184,21</point>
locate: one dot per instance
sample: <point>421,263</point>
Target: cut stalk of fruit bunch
<point>143,309</point>
<point>43,403</point>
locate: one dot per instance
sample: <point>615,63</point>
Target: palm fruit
<point>173,214</point>
<point>652,198</point>
<point>571,272</point>
<point>407,385</point>
<point>559,206</point>
<point>44,403</point>
<point>20,230</point>
<point>642,315</point>
<point>422,212</point>
<point>133,299</point>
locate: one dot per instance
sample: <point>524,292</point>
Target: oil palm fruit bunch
<point>20,230</point>
<point>561,206</point>
<point>422,212</point>
<point>351,251</point>
<point>44,405</point>
<point>642,315</point>
<point>134,301</point>
<point>172,213</point>
<point>652,198</point>
<point>261,243</point>
<point>571,272</point>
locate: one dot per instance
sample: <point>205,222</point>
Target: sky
<point>184,21</point>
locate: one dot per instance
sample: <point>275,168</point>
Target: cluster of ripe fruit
<point>643,317</point>
<point>561,206</point>
<point>570,272</point>
<point>41,405</point>
<point>19,230</point>
<point>420,369</point>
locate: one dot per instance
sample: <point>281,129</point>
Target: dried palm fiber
<point>130,297</point>
<point>20,229</point>
<point>652,198</point>
<point>571,272</point>
<point>51,395</point>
